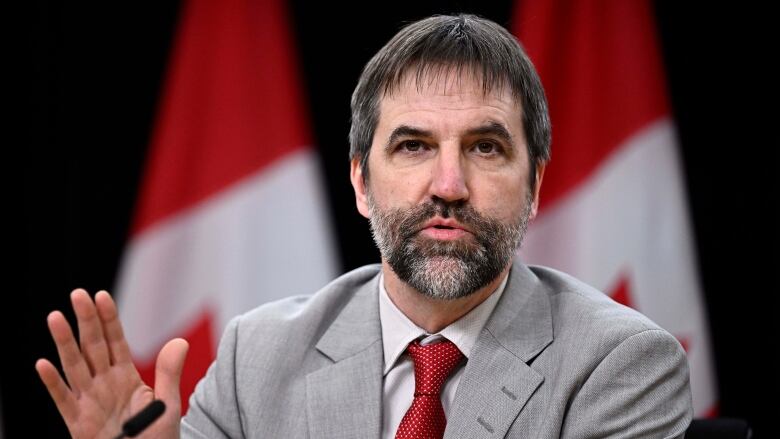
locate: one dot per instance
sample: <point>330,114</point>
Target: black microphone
<point>138,423</point>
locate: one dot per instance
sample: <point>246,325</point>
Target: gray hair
<point>438,45</point>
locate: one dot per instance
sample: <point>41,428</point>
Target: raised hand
<point>103,387</point>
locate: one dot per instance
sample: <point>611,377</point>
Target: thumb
<point>167,374</point>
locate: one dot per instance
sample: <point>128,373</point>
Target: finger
<point>93,343</point>
<point>167,374</point>
<point>59,391</point>
<point>73,363</point>
<point>112,327</point>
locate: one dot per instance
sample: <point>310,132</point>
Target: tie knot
<point>433,363</point>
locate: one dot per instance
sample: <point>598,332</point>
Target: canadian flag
<point>231,210</point>
<point>613,209</point>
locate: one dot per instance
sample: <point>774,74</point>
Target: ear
<point>535,202</point>
<point>359,185</point>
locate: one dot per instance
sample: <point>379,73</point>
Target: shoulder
<point>269,351</point>
<point>306,310</point>
<point>585,325</point>
<point>303,316</point>
<point>613,365</point>
<point>579,307</point>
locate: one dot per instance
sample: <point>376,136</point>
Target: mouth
<point>444,229</point>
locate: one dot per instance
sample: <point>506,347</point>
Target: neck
<point>433,315</point>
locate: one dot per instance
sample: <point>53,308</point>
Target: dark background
<point>92,74</point>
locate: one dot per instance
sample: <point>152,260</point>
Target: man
<point>450,335</point>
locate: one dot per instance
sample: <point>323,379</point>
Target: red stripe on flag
<point>602,72</point>
<point>231,105</point>
<point>199,357</point>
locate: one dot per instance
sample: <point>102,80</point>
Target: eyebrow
<point>493,128</point>
<point>489,128</point>
<point>405,131</point>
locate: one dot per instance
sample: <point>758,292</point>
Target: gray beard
<point>446,270</point>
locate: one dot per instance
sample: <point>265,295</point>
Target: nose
<point>448,179</point>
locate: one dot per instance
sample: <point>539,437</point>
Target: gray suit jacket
<point>556,359</point>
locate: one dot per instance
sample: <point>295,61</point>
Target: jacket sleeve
<point>639,390</point>
<point>214,411</point>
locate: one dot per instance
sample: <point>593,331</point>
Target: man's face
<point>448,194</point>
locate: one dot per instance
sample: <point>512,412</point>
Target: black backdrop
<point>94,73</point>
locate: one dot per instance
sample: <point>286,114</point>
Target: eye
<point>486,147</point>
<point>411,145</point>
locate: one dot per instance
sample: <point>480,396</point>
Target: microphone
<point>138,423</point>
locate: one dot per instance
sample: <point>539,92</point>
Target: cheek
<point>395,188</point>
<point>501,197</point>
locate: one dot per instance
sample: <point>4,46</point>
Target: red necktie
<point>433,363</point>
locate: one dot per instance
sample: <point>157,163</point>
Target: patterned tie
<point>433,363</point>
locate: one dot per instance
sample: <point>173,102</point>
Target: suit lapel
<point>497,381</point>
<point>344,399</point>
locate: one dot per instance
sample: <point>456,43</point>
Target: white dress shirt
<point>398,331</point>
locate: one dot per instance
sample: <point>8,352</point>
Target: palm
<point>103,387</point>
<point>113,397</point>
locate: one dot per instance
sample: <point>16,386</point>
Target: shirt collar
<point>398,331</point>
